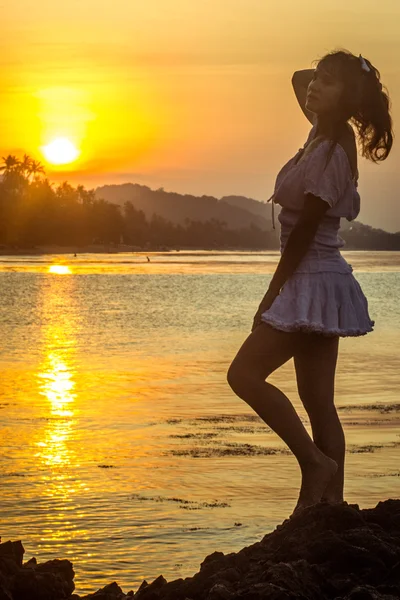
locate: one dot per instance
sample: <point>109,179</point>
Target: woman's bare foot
<point>332,499</point>
<point>315,478</point>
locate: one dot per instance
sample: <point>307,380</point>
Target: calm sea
<point>123,447</point>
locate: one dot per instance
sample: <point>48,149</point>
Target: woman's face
<point>324,92</point>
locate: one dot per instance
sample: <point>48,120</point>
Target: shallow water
<point>123,447</point>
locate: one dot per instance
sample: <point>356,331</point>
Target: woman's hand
<point>265,304</point>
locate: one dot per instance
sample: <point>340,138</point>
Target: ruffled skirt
<point>329,302</point>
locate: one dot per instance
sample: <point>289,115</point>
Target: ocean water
<point>123,447</point>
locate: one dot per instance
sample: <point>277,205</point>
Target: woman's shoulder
<point>346,148</point>
<point>343,157</point>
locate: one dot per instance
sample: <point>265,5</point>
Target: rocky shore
<point>338,552</point>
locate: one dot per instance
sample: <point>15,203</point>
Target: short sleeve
<point>329,184</point>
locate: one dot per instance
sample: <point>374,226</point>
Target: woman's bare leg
<point>315,363</point>
<point>264,350</point>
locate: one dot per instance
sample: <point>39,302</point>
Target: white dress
<point>322,295</point>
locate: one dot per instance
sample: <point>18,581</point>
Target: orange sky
<point>192,96</point>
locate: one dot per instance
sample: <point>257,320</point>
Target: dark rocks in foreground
<point>338,552</point>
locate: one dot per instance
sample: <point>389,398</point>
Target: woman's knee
<point>234,377</point>
<point>239,379</point>
<point>265,350</point>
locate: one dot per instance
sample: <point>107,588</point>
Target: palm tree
<point>11,164</point>
<point>25,166</point>
<point>35,168</point>
<point>13,177</point>
<point>86,196</point>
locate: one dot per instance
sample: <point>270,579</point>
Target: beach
<point>124,449</point>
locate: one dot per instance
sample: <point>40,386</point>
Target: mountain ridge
<point>235,211</point>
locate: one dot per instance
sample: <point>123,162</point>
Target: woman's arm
<point>300,83</point>
<point>298,242</point>
<point>302,78</point>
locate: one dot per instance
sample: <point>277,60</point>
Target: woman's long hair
<point>364,102</point>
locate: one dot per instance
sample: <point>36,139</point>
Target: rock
<point>52,580</point>
<point>298,577</point>
<point>142,585</point>
<point>170,589</point>
<point>212,563</point>
<point>326,552</point>
<point>13,550</point>
<point>159,582</point>
<point>366,592</point>
<point>150,591</point>
<point>111,591</point>
<point>30,563</point>
<point>266,591</point>
<point>219,592</point>
<point>231,574</point>
<point>386,514</point>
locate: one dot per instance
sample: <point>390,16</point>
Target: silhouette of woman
<point>313,298</point>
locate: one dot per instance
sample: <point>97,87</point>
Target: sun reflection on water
<point>58,385</point>
<point>60,269</point>
<point>56,376</point>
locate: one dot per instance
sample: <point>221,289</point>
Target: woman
<point>313,298</point>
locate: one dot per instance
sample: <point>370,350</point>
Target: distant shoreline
<point>100,249</point>
<point>103,249</point>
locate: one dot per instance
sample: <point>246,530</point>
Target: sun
<point>60,151</point>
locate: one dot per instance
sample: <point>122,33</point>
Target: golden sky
<point>192,96</point>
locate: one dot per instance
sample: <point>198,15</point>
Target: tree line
<point>36,212</point>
